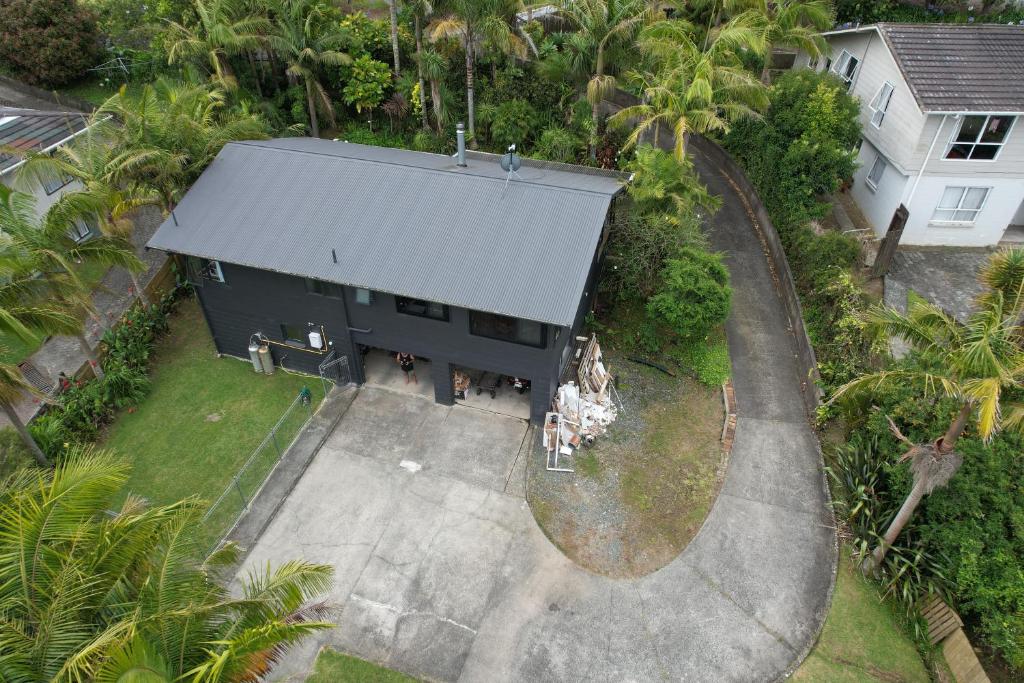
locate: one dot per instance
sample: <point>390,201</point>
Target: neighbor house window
<point>51,185</point>
<point>960,205</point>
<point>812,62</point>
<point>322,288</point>
<point>880,104</point>
<point>82,229</point>
<point>874,176</point>
<point>846,67</point>
<point>508,329</point>
<point>980,137</point>
<point>293,334</point>
<point>421,308</point>
<point>201,270</point>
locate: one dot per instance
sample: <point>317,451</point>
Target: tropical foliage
<point>91,590</point>
<point>47,42</point>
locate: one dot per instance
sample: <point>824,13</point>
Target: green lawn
<point>95,90</point>
<point>202,418</point>
<point>335,667</point>
<point>862,640</point>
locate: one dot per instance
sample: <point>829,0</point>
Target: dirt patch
<point>214,417</point>
<point>640,495</point>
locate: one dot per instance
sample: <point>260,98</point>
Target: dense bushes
<point>694,295</point>
<point>967,538</point>
<point>47,42</point>
<point>86,406</point>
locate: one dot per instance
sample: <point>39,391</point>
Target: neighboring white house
<point>940,106</point>
<point>23,130</point>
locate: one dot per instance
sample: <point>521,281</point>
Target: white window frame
<point>813,62</point>
<point>998,145</point>
<point>880,103</point>
<point>214,272</point>
<point>839,66</point>
<point>873,184</point>
<point>959,207</point>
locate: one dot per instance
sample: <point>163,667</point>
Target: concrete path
<point>442,572</point>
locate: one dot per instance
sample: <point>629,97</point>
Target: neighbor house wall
<point>43,201</point>
<point>877,204</point>
<point>1004,200</point>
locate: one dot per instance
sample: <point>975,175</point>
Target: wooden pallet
<point>942,620</point>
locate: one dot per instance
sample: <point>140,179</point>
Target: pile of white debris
<point>583,409</point>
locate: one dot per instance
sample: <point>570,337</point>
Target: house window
<point>812,62</point>
<point>51,185</point>
<point>293,334</point>
<point>880,104</point>
<point>874,176</point>
<point>960,205</point>
<point>82,229</point>
<point>201,270</point>
<point>364,297</point>
<point>980,137</point>
<point>421,308</point>
<point>322,288</point>
<point>507,329</point>
<point>846,67</point>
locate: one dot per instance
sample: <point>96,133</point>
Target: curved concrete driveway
<point>444,574</point>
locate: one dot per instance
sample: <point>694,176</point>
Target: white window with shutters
<point>880,104</point>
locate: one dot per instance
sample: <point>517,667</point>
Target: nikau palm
<point>786,23</point>
<point>224,30</point>
<point>693,89</point>
<point>976,363</point>
<point>475,23</point>
<point>602,25</point>
<point>48,248</point>
<point>90,594</point>
<point>305,40</point>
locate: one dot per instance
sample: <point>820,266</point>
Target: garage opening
<point>382,368</point>
<point>498,393</point>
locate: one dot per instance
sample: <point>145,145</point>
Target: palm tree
<point>976,363</point>
<point>91,591</point>
<point>306,41</point>
<point>786,23</point>
<point>106,193</point>
<point>693,89</point>
<point>393,13</point>
<point>474,23</point>
<point>47,247</point>
<point>602,25</point>
<point>224,29</point>
<point>182,126</point>
<point>421,9</point>
<point>25,313</point>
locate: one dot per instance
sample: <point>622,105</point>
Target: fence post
<point>238,486</point>
<point>273,437</point>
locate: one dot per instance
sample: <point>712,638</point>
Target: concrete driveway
<point>442,572</point>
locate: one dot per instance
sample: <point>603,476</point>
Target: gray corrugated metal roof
<point>403,222</point>
<point>958,67</point>
<point>32,129</point>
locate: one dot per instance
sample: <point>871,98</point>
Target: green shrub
<point>814,259</point>
<point>638,247</point>
<point>512,121</point>
<point>559,144</point>
<point>47,42</point>
<point>706,358</point>
<point>694,295</point>
<point>429,141</point>
<point>366,83</point>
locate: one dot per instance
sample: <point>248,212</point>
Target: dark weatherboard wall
<point>251,300</point>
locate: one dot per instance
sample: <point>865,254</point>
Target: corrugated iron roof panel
<point>402,222</point>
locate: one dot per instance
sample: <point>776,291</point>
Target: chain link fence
<point>236,498</point>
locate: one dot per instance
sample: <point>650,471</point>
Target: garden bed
<point>641,493</point>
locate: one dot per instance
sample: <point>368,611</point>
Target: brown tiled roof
<point>960,67</point>
<point>23,130</point>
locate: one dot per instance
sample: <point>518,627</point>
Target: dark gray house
<point>391,249</point>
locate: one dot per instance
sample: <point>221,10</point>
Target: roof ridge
<point>462,171</point>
